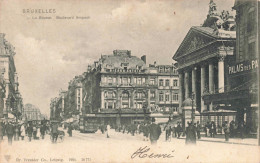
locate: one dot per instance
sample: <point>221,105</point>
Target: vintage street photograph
<point>129,81</point>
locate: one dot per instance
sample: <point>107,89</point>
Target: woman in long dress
<point>22,131</point>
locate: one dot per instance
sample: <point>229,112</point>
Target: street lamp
<point>192,109</point>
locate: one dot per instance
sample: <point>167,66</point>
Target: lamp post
<point>192,109</point>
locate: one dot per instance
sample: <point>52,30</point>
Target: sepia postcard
<point>129,81</point>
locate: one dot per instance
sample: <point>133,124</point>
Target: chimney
<point>144,58</point>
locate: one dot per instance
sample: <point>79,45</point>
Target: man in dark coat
<point>29,131</point>
<point>179,130</point>
<point>10,133</point>
<point>70,130</point>
<point>226,131</point>
<point>43,130</point>
<point>54,132</point>
<point>155,132</point>
<point>198,129</point>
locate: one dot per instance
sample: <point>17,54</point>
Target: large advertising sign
<point>245,66</point>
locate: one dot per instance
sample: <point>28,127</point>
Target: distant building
<point>32,113</point>
<point>11,99</point>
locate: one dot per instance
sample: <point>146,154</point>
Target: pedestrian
<point>102,128</point>
<point>10,132</point>
<point>193,133</point>
<point>16,132</point>
<point>34,132</point>
<point>212,129</point>
<point>132,129</point>
<point>70,130</point>
<point>43,130</point>
<point>167,129</point>
<point>54,132</point>
<point>22,131</point>
<point>108,130</point>
<point>145,132</point>
<point>226,131</point>
<point>154,131</point>
<point>30,132</point>
<point>179,130</point>
<point>242,127</point>
<point>38,133</point>
<point>198,129</point>
<point>1,131</point>
<point>169,133</point>
<point>173,131</point>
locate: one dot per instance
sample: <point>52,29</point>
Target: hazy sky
<point>49,53</point>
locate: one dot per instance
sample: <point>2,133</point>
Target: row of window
<point>167,70</point>
<point>140,95</point>
<point>138,81</point>
<point>167,82</point>
<point>166,97</point>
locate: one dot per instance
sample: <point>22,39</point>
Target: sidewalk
<point>221,139</point>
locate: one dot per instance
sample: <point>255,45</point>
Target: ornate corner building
<point>11,102</point>
<point>120,89</point>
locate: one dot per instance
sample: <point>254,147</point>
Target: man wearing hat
<point>155,132</point>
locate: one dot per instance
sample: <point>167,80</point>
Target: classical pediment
<point>197,38</point>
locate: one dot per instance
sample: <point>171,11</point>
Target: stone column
<point>202,82</point>
<point>102,99</point>
<point>194,86</point>
<point>148,98</point>
<point>211,82</point>
<point>186,84</point>
<point>118,101</point>
<point>221,79</point>
<point>132,99</point>
<point>180,90</point>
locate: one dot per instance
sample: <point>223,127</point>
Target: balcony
<point>123,111</point>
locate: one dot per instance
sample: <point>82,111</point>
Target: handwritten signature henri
<point>143,152</point>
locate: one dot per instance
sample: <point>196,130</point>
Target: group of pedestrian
<point>210,129</point>
<point>15,131</point>
<point>172,131</point>
<point>237,129</point>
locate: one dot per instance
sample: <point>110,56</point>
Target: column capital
<point>221,58</point>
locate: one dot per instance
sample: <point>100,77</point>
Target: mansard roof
<point>199,37</point>
<point>117,60</point>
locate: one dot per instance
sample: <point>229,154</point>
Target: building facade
<point>121,89</point>
<point>202,59</point>
<point>32,113</point>
<point>244,70</point>
<point>11,99</point>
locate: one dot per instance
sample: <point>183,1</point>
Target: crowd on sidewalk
<point>30,130</point>
<point>19,131</point>
<point>150,130</point>
<point>192,133</point>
